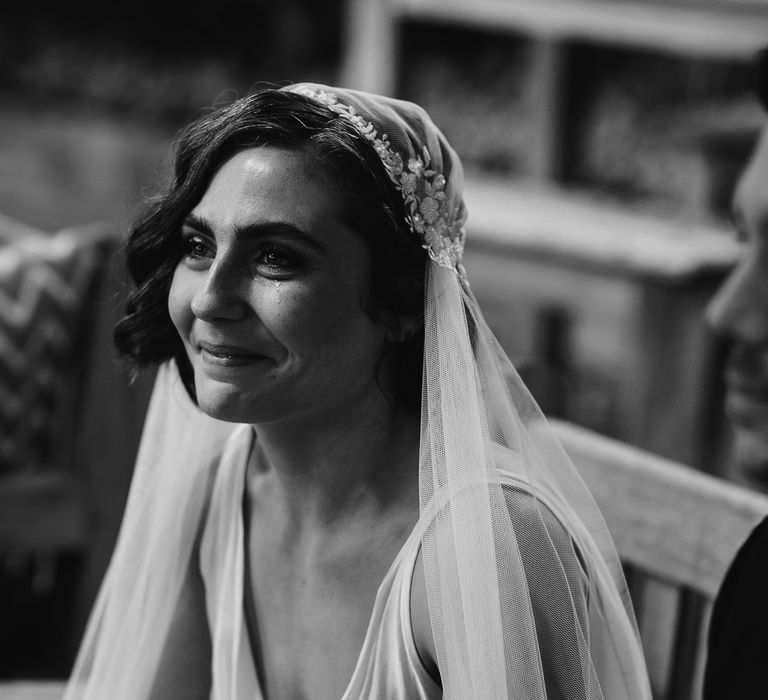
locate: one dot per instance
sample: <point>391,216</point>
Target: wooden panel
<point>59,169</point>
<point>546,85</point>
<point>670,388</point>
<point>50,690</point>
<point>513,289</point>
<point>370,51</point>
<point>632,288</point>
<point>633,347</point>
<point>678,524</point>
<point>708,30</point>
<point>584,231</point>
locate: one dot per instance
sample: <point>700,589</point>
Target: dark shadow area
<point>37,611</point>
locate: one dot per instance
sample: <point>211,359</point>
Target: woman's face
<point>268,296</point>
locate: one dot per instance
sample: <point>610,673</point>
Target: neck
<point>345,463</point>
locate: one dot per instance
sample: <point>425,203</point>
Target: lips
<point>754,388</point>
<point>747,394</point>
<point>746,371</point>
<point>747,397</point>
<point>228,355</point>
<point>747,374</point>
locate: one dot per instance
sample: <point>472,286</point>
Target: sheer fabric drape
<point>526,595</point>
<point>124,640</point>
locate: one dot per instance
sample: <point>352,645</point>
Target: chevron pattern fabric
<point>45,281</point>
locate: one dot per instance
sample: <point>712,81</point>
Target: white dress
<point>388,667</point>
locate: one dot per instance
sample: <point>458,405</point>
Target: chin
<point>221,410</point>
<point>227,403</point>
<point>221,401</point>
<point>223,413</point>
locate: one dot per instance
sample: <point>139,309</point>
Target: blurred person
<point>738,637</point>
<point>343,489</point>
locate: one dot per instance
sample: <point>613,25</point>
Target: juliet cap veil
<point>526,595</point>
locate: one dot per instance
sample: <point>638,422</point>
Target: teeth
<point>223,355</point>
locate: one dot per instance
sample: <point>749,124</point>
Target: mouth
<point>225,355</point>
<point>746,401</point>
<point>748,381</point>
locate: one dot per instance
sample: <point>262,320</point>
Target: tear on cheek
<point>277,293</point>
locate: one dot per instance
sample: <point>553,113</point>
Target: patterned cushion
<point>45,284</point>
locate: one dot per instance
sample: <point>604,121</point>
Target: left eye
<point>276,260</point>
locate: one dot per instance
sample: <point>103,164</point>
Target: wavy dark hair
<point>371,206</point>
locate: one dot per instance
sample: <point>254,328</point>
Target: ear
<point>404,327</point>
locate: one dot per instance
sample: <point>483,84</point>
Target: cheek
<point>332,325</point>
<point>751,453</point>
<point>179,303</point>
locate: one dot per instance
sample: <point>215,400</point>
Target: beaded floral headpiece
<point>432,217</point>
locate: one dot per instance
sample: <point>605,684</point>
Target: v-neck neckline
<point>250,619</point>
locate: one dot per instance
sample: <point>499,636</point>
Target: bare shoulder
<point>528,511</point>
<point>546,548</point>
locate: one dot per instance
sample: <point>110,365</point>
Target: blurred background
<point>92,95</point>
<point>601,142</point>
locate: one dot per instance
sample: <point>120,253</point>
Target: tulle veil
<point>526,595</point>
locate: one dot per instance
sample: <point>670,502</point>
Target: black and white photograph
<point>384,350</point>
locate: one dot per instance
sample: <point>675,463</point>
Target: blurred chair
<point>671,524</point>
<point>31,691</point>
<point>69,429</point>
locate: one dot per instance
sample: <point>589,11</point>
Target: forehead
<point>269,183</point>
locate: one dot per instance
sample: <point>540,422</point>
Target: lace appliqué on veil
<point>422,187</point>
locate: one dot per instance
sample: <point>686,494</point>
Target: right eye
<point>195,247</point>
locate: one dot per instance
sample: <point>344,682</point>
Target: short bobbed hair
<point>369,205</point>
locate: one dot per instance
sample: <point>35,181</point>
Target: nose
<point>739,309</point>
<point>220,295</point>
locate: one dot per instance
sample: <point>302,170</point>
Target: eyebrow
<point>269,228</point>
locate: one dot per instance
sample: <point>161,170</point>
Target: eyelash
<point>196,248</point>
<point>287,260</point>
<point>191,243</point>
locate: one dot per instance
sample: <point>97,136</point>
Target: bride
<point>344,490</point>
